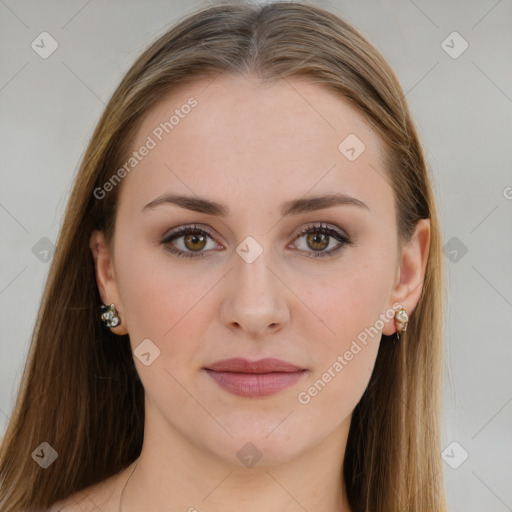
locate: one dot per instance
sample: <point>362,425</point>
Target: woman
<point>244,309</point>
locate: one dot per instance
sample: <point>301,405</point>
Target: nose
<point>256,298</point>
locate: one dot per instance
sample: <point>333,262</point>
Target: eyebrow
<point>292,207</point>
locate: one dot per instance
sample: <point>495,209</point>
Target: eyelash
<point>321,229</point>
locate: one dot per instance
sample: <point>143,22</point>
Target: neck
<point>185,477</point>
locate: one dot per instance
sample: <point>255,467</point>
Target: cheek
<point>349,305</point>
<point>344,301</point>
<point>173,302</point>
<point>166,301</point>
<point>345,353</point>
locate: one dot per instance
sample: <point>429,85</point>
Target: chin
<point>265,446</point>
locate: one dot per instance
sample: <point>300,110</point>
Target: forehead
<point>280,140</point>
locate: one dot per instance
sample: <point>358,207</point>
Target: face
<point>265,275</point>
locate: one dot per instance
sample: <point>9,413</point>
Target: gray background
<point>463,109</point>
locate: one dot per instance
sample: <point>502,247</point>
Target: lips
<point>241,365</point>
<point>260,378</point>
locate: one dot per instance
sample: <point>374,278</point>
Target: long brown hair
<point>80,391</point>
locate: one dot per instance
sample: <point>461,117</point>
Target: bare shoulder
<point>102,496</point>
<point>77,502</point>
<point>87,500</point>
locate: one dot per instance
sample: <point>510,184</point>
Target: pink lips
<point>254,378</point>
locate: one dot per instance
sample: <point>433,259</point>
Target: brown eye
<point>318,241</point>
<point>192,242</point>
<point>195,241</point>
<point>319,238</point>
<point>188,242</point>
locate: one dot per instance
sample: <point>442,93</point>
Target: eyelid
<point>330,230</point>
<point>180,231</point>
<point>323,226</point>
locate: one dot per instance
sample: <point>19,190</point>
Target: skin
<point>252,147</point>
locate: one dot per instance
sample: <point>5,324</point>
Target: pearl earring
<point>401,320</point>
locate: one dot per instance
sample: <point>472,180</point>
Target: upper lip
<point>241,365</point>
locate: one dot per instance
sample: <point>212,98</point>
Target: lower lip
<point>255,384</point>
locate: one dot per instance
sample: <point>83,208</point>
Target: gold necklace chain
<point>126,483</point>
<point>128,479</point>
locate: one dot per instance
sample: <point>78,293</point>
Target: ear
<point>106,278</point>
<point>411,272</point>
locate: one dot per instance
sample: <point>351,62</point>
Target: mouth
<point>260,378</point>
